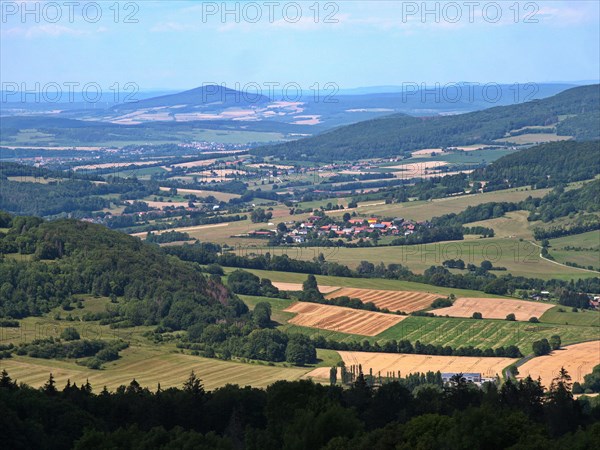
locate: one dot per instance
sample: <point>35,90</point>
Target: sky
<point>182,45</point>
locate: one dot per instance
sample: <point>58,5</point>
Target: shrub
<point>70,334</point>
<point>441,303</point>
<point>541,347</point>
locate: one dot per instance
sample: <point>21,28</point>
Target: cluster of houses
<point>546,296</point>
<point>354,228</point>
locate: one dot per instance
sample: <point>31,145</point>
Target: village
<point>318,227</point>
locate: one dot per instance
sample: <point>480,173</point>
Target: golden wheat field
<point>578,359</point>
<point>149,367</point>
<point>406,301</point>
<point>298,287</point>
<point>494,308</point>
<point>406,364</point>
<point>345,320</point>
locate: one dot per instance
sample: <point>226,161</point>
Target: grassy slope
<point>509,248</point>
<point>588,241</point>
<point>149,367</point>
<point>148,362</point>
<point>583,317</point>
<point>423,210</point>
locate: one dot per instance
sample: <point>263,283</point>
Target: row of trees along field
<point>399,414</point>
<point>481,280</point>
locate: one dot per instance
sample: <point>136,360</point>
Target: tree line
<point>300,415</point>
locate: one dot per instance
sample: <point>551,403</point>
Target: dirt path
<point>561,264</point>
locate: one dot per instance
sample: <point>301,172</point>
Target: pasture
<point>406,301</point>
<point>345,320</point>
<point>425,210</point>
<point>519,257</point>
<point>533,138</point>
<point>582,249</point>
<point>496,308</point>
<point>583,317</point>
<point>578,359</point>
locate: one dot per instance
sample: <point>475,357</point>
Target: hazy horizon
<point>182,45</point>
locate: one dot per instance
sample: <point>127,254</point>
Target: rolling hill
<point>575,112</point>
<point>210,97</point>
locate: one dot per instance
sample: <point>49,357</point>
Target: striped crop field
<point>345,320</point>
<point>406,301</point>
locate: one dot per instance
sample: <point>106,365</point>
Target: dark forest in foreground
<point>300,415</point>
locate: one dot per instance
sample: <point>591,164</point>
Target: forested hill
<point>543,165</point>
<point>70,257</point>
<point>397,134</point>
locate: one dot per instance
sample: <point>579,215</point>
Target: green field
<point>424,210</point>
<point>534,138</point>
<point>586,251</point>
<point>519,257</point>
<point>509,248</point>
<point>468,157</point>
<point>37,138</point>
<point>586,318</point>
<point>458,332</point>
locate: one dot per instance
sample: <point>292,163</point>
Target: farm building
<point>472,377</point>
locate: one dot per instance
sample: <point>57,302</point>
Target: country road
<point>561,264</point>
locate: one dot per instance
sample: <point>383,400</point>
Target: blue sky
<point>180,45</point>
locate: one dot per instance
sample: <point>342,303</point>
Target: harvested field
<point>494,308</point>
<point>148,367</point>
<point>578,359</point>
<point>183,229</point>
<point>405,301</point>
<point>345,320</point>
<point>387,362</point>
<point>201,163</point>
<point>298,287</point>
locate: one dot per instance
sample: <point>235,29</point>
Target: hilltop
<point>207,97</point>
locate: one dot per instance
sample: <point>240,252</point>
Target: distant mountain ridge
<point>200,97</point>
<point>574,112</point>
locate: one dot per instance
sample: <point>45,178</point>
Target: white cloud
<point>52,30</point>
